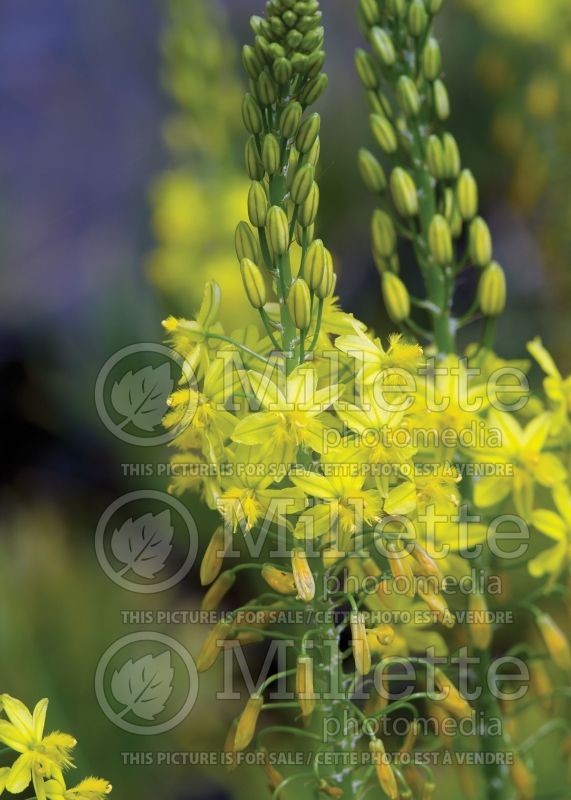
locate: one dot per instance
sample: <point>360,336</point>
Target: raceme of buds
<point>212,645</point>
<point>440,240</point>
<point>299,303</point>
<point>302,575</point>
<point>385,772</point>
<point>492,290</point>
<point>270,154</point>
<point>246,243</point>
<point>304,685</point>
<point>213,557</point>
<point>467,195</point>
<point>277,228</point>
<point>360,643</point>
<point>302,184</point>
<point>247,722</point>
<point>404,193</point>
<point>555,641</point>
<point>217,591</point>
<point>395,296</point>
<point>431,60</point>
<point>384,134</point>
<point>254,284</point>
<point>407,96</point>
<point>479,628</point>
<point>480,243</point>
<point>371,171</point>
<point>279,580</point>
<point>257,204</point>
<point>383,234</point>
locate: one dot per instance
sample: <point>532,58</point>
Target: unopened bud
<point>277,228</point>
<point>251,62</point>
<point>247,722</point>
<point>417,18</point>
<point>279,580</point>
<point>304,685</point>
<point>313,90</point>
<point>246,243</point>
<point>383,233</point>
<point>253,281</point>
<point>384,133</point>
<point>302,575</point>
<point>435,157</point>
<point>400,564</point>
<point>315,264</point>
<point>308,133</point>
<point>218,591</point>
<point>299,303</point>
<point>396,297</point>
<point>213,557</point>
<point>313,156</point>
<point>371,171</point>
<point>479,627</point>
<point>431,60</point>
<point>369,11</point>
<point>407,96</point>
<point>434,6</point>
<point>290,119</point>
<point>212,646</point>
<point>307,213</point>
<point>385,773</point>
<point>467,194</point>
<point>210,306</point>
<point>360,643</point>
<point>257,204</point>
<point>252,114</point>
<point>266,90</point>
<point>441,100</point>
<point>440,241</point>
<point>302,183</point>
<point>403,189</point>
<point>270,154</point>
<point>383,46</point>
<point>314,63</point>
<point>480,243</point>
<point>326,286</point>
<point>522,779</point>
<point>366,70</point>
<point>254,165</point>
<point>281,70</point>
<point>555,641</point>
<point>451,153</point>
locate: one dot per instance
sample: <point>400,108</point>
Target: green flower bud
<point>292,163</point>
<point>302,183</point>
<point>266,51</point>
<point>449,203</point>
<point>253,281</point>
<point>492,290</point>
<point>396,297</point>
<point>407,96</point>
<point>315,264</point>
<point>451,153</point>
<point>434,6</point>
<point>384,133</point>
<point>417,18</point>
<point>290,119</point>
<point>441,100</point>
<point>210,305</point>
<point>252,115</point>
<point>313,90</point>
<point>467,194</point>
<point>480,244</point>
<point>371,171</point>
<point>302,234</point>
<point>290,18</point>
<point>294,40</point>
<point>431,60</point>
<point>271,154</point>
<point>257,24</point>
<point>435,157</point>
<point>308,133</point>
<point>369,11</point>
<point>315,63</point>
<point>246,243</point>
<point>307,213</point>
<point>397,7</point>
<point>440,240</point>
<point>305,24</point>
<point>383,233</point>
<point>299,304</point>
<point>312,40</point>
<point>277,26</point>
<point>403,189</point>
<point>282,70</point>
<point>257,204</point>
<point>266,90</point>
<point>254,166</point>
<point>366,69</point>
<point>277,229</point>
<point>326,286</point>
<point>251,62</point>
<point>383,46</point>
<point>313,156</point>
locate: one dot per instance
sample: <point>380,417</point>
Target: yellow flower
<point>558,527</point>
<point>87,789</point>
<point>372,358</point>
<point>557,388</point>
<point>41,757</point>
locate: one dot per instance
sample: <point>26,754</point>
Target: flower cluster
<point>41,758</point>
<point>360,477</point>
